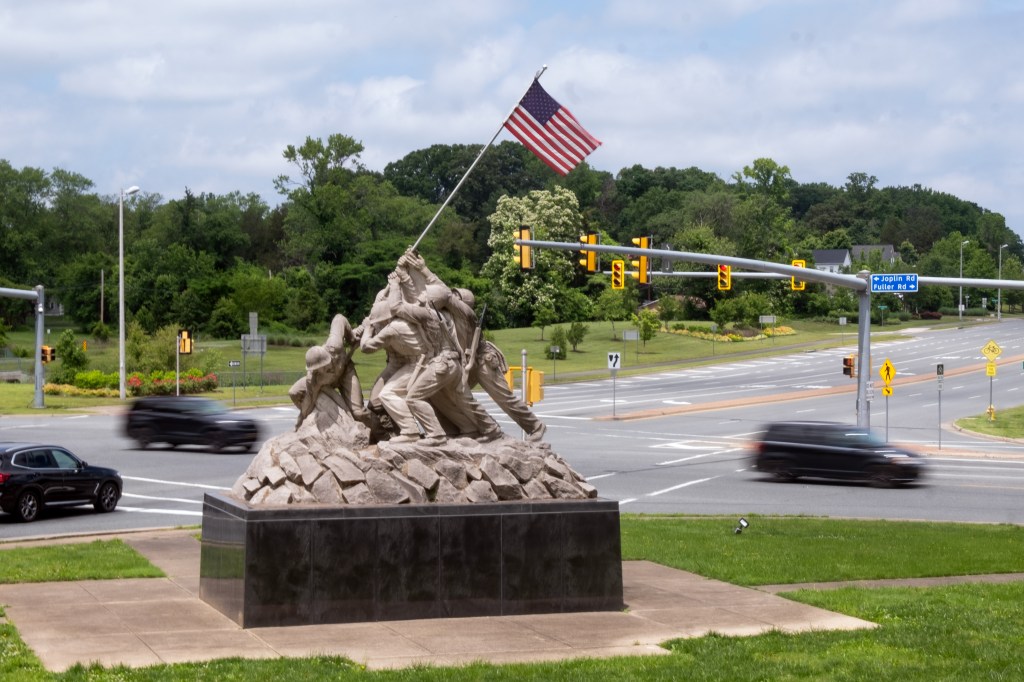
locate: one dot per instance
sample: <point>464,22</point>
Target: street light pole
<point>120,288</point>
<point>960,305</point>
<point>999,291</point>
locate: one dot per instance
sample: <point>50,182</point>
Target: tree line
<point>204,261</point>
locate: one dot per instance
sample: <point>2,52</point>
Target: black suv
<point>188,420</point>
<point>830,450</point>
<point>33,477</point>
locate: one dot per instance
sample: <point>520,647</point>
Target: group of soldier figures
<point>435,356</point>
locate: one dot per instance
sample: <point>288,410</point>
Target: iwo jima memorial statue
<point>415,503</point>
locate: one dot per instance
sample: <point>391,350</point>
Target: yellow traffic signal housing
<point>534,386</point>
<point>794,283</point>
<point>618,274</point>
<point>589,259</point>
<point>849,366</point>
<point>524,254</point>
<point>47,354</point>
<point>724,277</point>
<point>642,273</point>
<point>185,342</point>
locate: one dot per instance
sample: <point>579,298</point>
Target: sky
<point>206,94</point>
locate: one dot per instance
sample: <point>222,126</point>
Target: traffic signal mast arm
<point>769,270</point>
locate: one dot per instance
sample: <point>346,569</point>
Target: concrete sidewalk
<point>162,620</point>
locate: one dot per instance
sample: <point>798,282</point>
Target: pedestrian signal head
<point>794,283</point>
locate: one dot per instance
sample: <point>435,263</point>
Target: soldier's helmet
<point>317,357</point>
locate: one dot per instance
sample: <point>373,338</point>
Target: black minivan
<point>188,420</point>
<point>789,450</point>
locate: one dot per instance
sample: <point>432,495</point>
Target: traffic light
<point>724,277</point>
<point>618,274</point>
<point>794,283</point>
<point>642,273</point>
<point>849,366</point>
<point>47,354</point>
<point>589,258</point>
<point>524,254</point>
<point>184,342</point>
<point>534,386</point>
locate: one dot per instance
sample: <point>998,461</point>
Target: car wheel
<point>106,500</point>
<point>144,438</point>
<point>780,470</point>
<point>217,441</point>
<point>882,477</point>
<point>27,508</point>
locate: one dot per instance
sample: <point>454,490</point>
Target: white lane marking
<point>627,500</point>
<point>677,402</point>
<point>594,478</point>
<point>684,459</point>
<point>160,511</point>
<point>162,499</point>
<point>677,487</point>
<point>546,415</point>
<point>187,485</point>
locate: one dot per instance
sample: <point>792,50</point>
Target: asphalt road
<point>690,457</point>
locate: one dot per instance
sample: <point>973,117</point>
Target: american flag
<point>550,131</point>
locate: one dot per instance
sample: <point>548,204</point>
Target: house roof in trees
<point>862,252</point>
<point>835,257</point>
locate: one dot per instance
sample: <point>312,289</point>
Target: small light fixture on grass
<point>742,525</point>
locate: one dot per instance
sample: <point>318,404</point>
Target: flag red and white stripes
<point>550,131</point>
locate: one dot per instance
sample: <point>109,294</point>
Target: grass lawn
<point>1008,423</point>
<point>962,632</point>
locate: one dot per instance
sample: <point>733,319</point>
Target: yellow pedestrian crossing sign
<point>887,371</point>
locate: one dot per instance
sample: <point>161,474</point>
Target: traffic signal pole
<point>37,295</point>
<point>863,351</point>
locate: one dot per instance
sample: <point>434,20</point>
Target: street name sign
<point>892,283</point>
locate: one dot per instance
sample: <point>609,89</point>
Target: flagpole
<point>476,160</point>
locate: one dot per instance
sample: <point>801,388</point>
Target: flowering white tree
<point>553,215</point>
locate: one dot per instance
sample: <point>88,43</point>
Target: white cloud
<point>207,95</point>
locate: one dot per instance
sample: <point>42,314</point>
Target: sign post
<point>233,364</point>
<point>940,371</point>
<point>991,351</point>
<point>888,372</point>
<point>614,362</point>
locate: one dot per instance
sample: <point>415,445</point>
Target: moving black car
<point>33,477</point>
<point>188,420</point>
<point>830,450</point>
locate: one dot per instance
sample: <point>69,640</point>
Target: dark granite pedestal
<point>303,565</point>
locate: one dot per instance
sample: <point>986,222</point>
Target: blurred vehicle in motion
<point>188,420</point>
<point>789,450</point>
<point>34,477</point>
